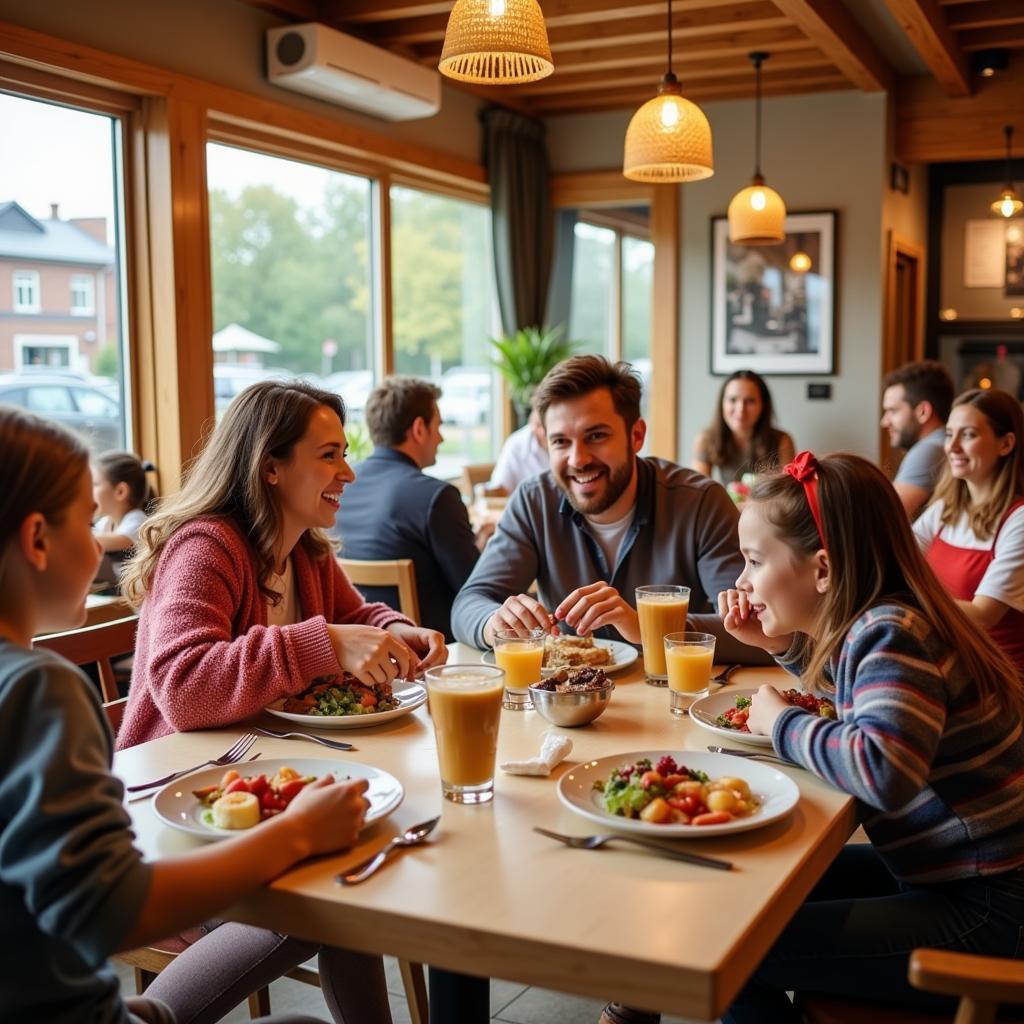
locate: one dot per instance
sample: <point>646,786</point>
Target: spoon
<point>410,837</point>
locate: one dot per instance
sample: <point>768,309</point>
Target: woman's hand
<point>765,707</point>
<point>598,604</point>
<point>734,608</point>
<point>372,655</point>
<point>330,813</point>
<point>428,644</point>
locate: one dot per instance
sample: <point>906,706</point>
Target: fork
<point>754,753</point>
<point>723,676</point>
<point>232,755</point>
<point>279,735</point>
<point>596,842</point>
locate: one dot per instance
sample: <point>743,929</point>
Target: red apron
<point>960,571</point>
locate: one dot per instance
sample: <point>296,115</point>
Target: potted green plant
<point>524,359</point>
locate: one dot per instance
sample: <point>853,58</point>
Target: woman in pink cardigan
<point>241,602</point>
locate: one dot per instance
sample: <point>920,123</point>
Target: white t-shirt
<point>285,613</point>
<point>609,536</point>
<point>521,457</point>
<point>127,527</point>
<point>1004,578</point>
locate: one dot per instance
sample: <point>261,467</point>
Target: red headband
<point>804,469</point>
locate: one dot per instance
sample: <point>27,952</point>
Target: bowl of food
<point>572,696</point>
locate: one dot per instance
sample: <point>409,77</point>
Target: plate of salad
<point>342,702</point>
<point>725,713</point>
<point>678,793</point>
<point>216,804</point>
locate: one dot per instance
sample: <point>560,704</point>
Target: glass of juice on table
<point>521,656</point>
<point>688,657</point>
<point>662,610</point>
<point>465,707</point>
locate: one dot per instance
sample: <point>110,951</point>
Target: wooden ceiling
<point>610,54</point>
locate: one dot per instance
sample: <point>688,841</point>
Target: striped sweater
<point>941,775</point>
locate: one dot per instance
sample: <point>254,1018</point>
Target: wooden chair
<point>398,572</point>
<point>474,473</point>
<point>981,982</point>
<point>95,645</point>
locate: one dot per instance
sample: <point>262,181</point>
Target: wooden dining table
<point>489,896</point>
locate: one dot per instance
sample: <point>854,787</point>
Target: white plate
<point>414,695</point>
<point>623,655</point>
<point>176,806</point>
<point>707,709</point>
<point>777,792</point>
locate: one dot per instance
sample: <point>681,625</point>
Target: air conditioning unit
<point>332,66</point>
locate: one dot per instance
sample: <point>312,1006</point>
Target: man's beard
<point>908,437</point>
<point>617,482</point>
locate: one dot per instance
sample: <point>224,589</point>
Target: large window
<point>444,313</point>
<point>61,242</point>
<point>293,294</point>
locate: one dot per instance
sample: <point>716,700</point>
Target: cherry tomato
<point>237,786</point>
<point>290,790</point>
<point>258,785</point>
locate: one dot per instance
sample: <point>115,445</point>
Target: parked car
<point>465,395</point>
<point>86,410</point>
<point>354,386</point>
<point>231,378</point>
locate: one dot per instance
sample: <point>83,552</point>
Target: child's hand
<point>333,812</point>
<point>734,608</point>
<point>765,706</point>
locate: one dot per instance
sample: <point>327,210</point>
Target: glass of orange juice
<point>662,610</point>
<point>688,658</point>
<point>465,707</point>
<point>521,655</point>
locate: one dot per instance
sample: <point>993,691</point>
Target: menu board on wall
<point>984,254</point>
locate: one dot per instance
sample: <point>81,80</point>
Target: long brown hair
<point>41,467</point>
<point>1004,415</point>
<point>226,480</point>
<point>126,468</point>
<point>874,557</point>
<point>721,444</point>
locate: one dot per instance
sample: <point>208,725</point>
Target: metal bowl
<point>571,709</point>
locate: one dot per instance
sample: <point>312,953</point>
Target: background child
<point>928,738</point>
<point>73,889</point>
<point>123,499</point>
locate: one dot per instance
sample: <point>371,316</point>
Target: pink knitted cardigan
<point>205,655</point>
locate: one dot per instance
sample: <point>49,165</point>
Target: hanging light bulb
<point>668,138</point>
<point>496,42</point>
<point>757,214</point>
<point>1009,203</point>
<point>800,262</point>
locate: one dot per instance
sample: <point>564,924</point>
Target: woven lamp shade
<point>496,42</point>
<point>668,139</point>
<point>757,215</point>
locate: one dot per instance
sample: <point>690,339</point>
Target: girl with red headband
<point>928,738</point>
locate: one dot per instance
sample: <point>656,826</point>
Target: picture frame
<point>773,306</point>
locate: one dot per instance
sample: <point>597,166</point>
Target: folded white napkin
<point>555,748</point>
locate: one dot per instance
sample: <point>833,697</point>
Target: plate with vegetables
<point>678,793</point>
<point>725,713</point>
<point>215,804</point>
<point>342,702</point>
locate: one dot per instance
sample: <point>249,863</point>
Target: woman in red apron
<point>973,531</point>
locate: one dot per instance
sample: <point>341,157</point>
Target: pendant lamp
<point>668,138</point>
<point>496,42</point>
<point>1009,203</point>
<point>757,214</point>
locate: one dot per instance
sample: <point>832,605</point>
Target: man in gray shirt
<point>915,405</point>
<point>600,523</point>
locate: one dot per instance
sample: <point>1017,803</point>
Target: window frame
<point>31,280</point>
<point>77,281</point>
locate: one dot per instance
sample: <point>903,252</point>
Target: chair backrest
<point>95,645</point>
<point>981,982</point>
<point>396,572</point>
<point>114,710</point>
<point>474,473</point>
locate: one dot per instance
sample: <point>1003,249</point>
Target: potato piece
<point>657,812</point>
<point>721,800</point>
<point>691,788</point>
<point>739,785</point>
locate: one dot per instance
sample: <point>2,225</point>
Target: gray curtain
<point>516,159</point>
<point>560,288</point>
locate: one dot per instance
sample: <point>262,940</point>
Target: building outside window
<point>26,291</point>
<point>83,291</point>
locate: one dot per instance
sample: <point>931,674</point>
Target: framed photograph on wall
<point>773,306</point>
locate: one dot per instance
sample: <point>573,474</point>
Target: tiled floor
<point>510,1003</point>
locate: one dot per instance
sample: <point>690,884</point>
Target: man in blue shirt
<point>395,510</point>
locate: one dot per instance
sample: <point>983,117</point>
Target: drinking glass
<point>465,707</point>
<point>662,610</point>
<point>521,655</point>
<point>688,657</point>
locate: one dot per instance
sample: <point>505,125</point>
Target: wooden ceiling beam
<point>296,10</point>
<point>357,12</point>
<point>1010,37</point>
<point>925,26</point>
<point>829,25</point>
<point>990,14</point>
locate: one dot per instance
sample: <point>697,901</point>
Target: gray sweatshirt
<point>683,532</point>
<point>71,883</point>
